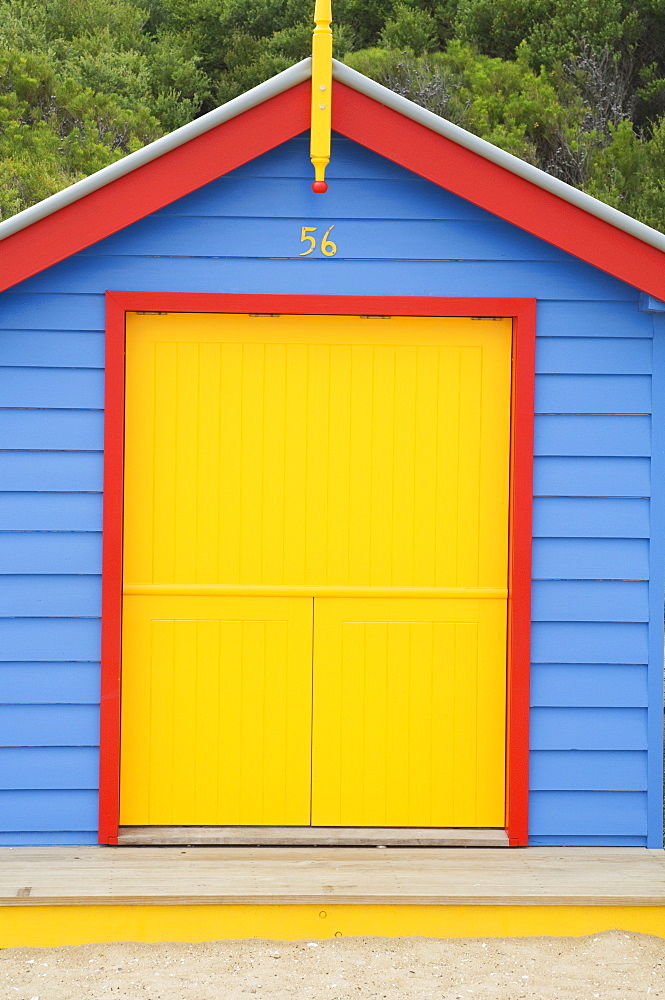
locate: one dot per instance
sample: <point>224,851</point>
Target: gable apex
<point>367,113</point>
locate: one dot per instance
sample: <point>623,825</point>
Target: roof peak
<point>365,112</point>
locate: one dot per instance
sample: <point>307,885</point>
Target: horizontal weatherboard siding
<point>51,430</point>
<point>593,394</point>
<point>594,685</point>
<point>351,160</point>
<point>46,809</point>
<point>589,601</point>
<point>383,239</point>
<point>590,841</point>
<point>396,234</point>
<point>588,813</point>
<point>327,276</point>
<point>348,198</point>
<point>69,471</point>
<point>574,356</point>
<point>586,517</point>
<point>49,767</point>
<point>592,435</point>
<point>20,310</point>
<point>52,388</point>
<point>47,838</point>
<point>589,642</point>
<point>50,596</point>
<point>590,559</point>
<point>607,477</point>
<point>51,682</point>
<point>579,770</point>
<point>49,512</point>
<point>44,726</point>
<point>54,638</point>
<point>596,320</point>
<point>50,552</point>
<point>588,729</point>
<point>52,349</point>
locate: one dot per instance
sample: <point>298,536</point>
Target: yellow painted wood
<point>406,727</point>
<point>318,440</point>
<point>52,926</point>
<point>322,51</point>
<point>216,711</point>
<point>307,453</point>
<point>289,590</point>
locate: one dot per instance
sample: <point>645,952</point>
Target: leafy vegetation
<point>576,88</point>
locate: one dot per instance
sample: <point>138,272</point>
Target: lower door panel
<point>409,712</point>
<point>216,711</point>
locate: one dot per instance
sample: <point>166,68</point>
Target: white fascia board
<point>357,81</point>
<point>271,88</point>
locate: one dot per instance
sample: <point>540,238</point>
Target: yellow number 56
<point>328,248</point>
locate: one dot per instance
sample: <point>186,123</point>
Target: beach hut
<point>269,458</point>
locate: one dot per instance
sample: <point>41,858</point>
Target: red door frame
<point>523,314</point>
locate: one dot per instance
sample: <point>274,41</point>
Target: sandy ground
<point>606,966</point>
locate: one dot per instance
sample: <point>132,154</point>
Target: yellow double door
<point>315,565</point>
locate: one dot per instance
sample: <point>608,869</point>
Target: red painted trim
<point>151,187</point>
<point>367,122</point>
<point>496,189</point>
<point>114,451</point>
<point>523,312</point>
<point>519,575</point>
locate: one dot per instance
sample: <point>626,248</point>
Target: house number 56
<point>328,248</point>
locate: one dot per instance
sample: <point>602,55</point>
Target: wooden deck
<point>489,888</point>
<point>406,876</point>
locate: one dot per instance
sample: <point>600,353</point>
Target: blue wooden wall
<point>597,709</point>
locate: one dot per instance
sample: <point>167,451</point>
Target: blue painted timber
<point>49,767</point>
<point>589,642</point>
<point>49,683</point>
<point>590,559</point>
<point>593,394</point>
<point>69,471</point>
<point>586,813</point>
<point>590,477</point>
<point>50,552</point>
<point>656,636</point>
<point>577,770</point>
<point>599,473</point>
<point>593,685</point>
<point>52,387</point>
<point>49,810</point>
<point>572,356</point>
<point>50,597</point>
<point>592,319</point>
<point>569,728</point>
<point>50,512</point>
<point>44,726</point>
<point>592,435</point>
<point>53,349</point>
<point>588,601</point>
<point>590,517</point>
<point>54,638</point>
<point>57,430</point>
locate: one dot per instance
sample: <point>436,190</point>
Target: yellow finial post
<point>319,148</point>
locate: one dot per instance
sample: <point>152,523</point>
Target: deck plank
<point>308,836</point>
<point>240,875</point>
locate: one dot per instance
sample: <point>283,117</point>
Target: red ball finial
<point>319,187</point>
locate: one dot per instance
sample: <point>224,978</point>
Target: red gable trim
<point>371,124</point>
<point>154,185</point>
<point>496,189</point>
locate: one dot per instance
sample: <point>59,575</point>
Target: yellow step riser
<point>50,926</point>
